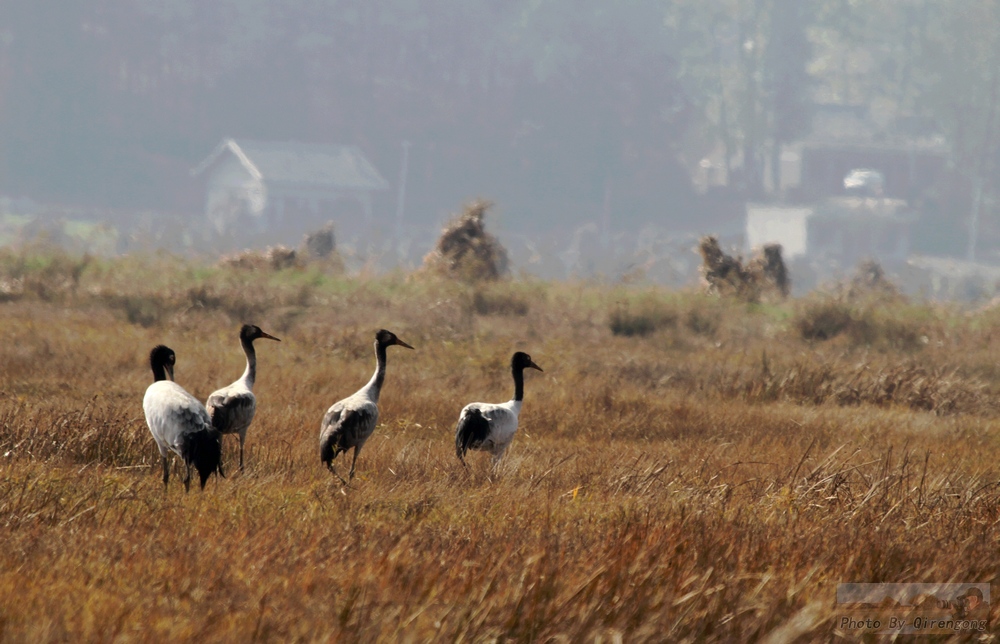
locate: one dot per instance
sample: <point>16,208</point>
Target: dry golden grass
<point>712,478</point>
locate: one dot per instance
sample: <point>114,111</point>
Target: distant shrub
<point>646,318</point>
<point>143,310</point>
<point>823,320</point>
<point>701,322</point>
<point>869,282</point>
<point>496,302</point>
<point>45,272</point>
<point>935,389</point>
<point>203,297</point>
<point>863,323</point>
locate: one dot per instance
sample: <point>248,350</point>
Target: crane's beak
<point>403,344</point>
<point>170,371</point>
<point>269,336</point>
<point>535,366</point>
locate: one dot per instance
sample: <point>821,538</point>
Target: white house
<point>785,225</point>
<point>838,232</point>
<point>264,186</point>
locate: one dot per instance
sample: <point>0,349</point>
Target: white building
<point>838,232</point>
<point>259,186</point>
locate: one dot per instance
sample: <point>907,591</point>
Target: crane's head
<point>386,338</point>
<point>162,359</point>
<point>251,332</point>
<point>521,361</point>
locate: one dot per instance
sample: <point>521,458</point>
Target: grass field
<point>686,468</point>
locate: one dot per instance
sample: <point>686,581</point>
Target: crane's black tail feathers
<point>328,451</point>
<point>472,430</point>
<point>204,451</point>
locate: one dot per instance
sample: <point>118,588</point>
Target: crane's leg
<point>187,477</point>
<point>243,437</point>
<point>497,455</point>
<point>354,462</point>
<point>166,471</point>
<point>330,467</point>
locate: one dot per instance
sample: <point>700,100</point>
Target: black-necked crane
<point>179,423</point>
<point>349,422</point>
<point>231,408</point>
<point>490,427</point>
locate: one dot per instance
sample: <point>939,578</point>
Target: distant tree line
<point>561,104</point>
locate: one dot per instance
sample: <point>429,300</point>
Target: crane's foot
<point>330,467</point>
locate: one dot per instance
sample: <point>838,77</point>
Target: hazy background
<point>572,115</point>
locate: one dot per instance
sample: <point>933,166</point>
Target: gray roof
<point>301,164</point>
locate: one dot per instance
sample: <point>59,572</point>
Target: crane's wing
<point>231,411</point>
<point>346,426</point>
<point>503,425</point>
<point>332,418</point>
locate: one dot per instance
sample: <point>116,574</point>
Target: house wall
<point>292,212</point>
<point>247,210</point>
<point>834,241</point>
<point>846,241</point>
<point>777,224</point>
<point>232,195</point>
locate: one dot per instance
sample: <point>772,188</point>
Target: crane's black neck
<point>161,361</point>
<point>159,372</point>
<point>518,373</point>
<point>250,373</point>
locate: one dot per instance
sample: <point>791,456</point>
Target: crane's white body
<point>502,419</point>
<point>172,414</point>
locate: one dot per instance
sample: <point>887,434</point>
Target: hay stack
<point>721,274</point>
<point>321,243</point>
<point>724,274</point>
<point>769,273</point>
<point>466,251</point>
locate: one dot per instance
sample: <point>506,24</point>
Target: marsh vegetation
<point>686,468</point>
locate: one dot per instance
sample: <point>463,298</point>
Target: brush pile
<point>321,243</point>
<point>768,271</point>
<point>466,251</point>
<point>273,258</point>
<point>723,274</point>
<point>869,282</point>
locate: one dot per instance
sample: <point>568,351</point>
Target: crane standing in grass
<point>349,422</point>
<point>179,423</point>
<point>232,408</point>
<point>490,427</point>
